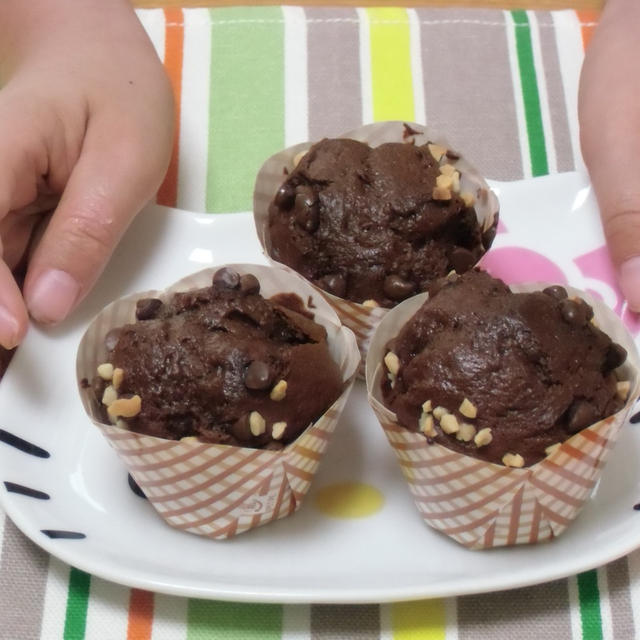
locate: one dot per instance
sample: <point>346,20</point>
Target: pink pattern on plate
<point>517,264</point>
<point>598,266</point>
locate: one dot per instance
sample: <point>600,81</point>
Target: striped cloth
<point>249,81</point>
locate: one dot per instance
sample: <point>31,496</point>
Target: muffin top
<point>498,375</point>
<point>221,364</point>
<point>375,224</point>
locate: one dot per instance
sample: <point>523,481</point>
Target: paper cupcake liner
<point>360,319</point>
<point>481,504</point>
<point>219,490</point>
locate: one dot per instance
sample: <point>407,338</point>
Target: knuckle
<point>622,230</point>
<point>90,231</point>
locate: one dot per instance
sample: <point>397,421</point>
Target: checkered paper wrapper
<point>362,320</point>
<point>211,489</point>
<point>483,505</point>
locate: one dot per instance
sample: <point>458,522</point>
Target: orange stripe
<point>173,42</point>
<point>514,522</point>
<point>535,524</point>
<point>587,20</point>
<point>140,615</point>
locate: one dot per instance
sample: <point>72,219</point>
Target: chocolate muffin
<point>498,375</point>
<point>221,364</point>
<point>378,224</point>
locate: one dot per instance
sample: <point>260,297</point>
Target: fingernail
<point>52,296</point>
<point>9,329</point>
<point>630,282</point>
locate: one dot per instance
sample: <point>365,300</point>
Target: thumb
<point>112,180</point>
<point>610,136</point>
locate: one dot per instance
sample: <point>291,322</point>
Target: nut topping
<point>426,424</point>
<point>441,193</point>
<point>277,430</point>
<point>466,433</point>
<point>468,199</point>
<point>437,151</point>
<point>370,304</point>
<point>444,181</point>
<point>125,407</point>
<point>279,391</point>
<point>426,406</point>
<point>257,423</point>
<point>392,363</point>
<point>105,371</point>
<point>449,423</point>
<point>622,389</point>
<point>513,460</point>
<point>483,437</point>
<point>116,380</point>
<point>109,395</point>
<point>468,409</point>
<point>438,412</point>
<point>552,448</point>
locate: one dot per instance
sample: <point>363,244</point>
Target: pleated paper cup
<point>483,505</point>
<point>217,490</point>
<point>361,319</point>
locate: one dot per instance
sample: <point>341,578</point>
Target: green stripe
<point>75,621</point>
<point>246,102</point>
<point>208,619</point>
<point>530,95</point>
<point>589,597</point>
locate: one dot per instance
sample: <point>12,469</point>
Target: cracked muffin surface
<point>498,375</point>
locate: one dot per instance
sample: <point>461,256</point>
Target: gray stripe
<point>468,87</point>
<point>531,613</point>
<point>620,599</point>
<point>23,579</point>
<point>345,622</point>
<point>555,92</point>
<point>335,101</point>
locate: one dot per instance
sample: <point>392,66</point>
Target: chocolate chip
<point>258,376</point>
<point>452,155</point>
<point>397,288</point>
<point>616,355</point>
<point>249,284</point>
<point>489,235</point>
<point>111,339</point>
<point>335,284</point>
<point>226,279</point>
<point>306,210</point>
<point>580,415</point>
<point>147,308</point>
<point>241,430</point>
<point>461,259</point>
<point>573,312</point>
<point>556,291</point>
<point>285,197</point>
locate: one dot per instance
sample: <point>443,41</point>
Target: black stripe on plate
<point>133,485</point>
<point>13,487</point>
<point>14,441</point>
<point>56,533</point>
<point>635,418</point>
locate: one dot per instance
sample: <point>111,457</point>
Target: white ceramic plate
<point>309,557</point>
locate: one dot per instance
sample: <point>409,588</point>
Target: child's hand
<point>610,135</point>
<point>86,116</point>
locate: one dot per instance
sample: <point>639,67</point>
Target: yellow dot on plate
<point>349,500</point>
